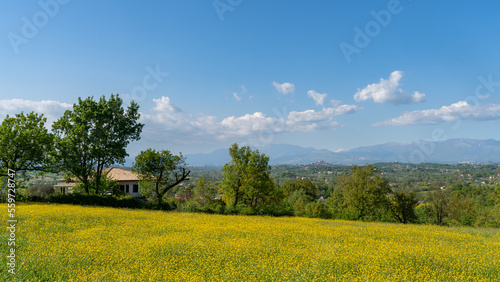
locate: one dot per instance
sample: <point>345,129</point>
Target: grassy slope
<point>62,242</point>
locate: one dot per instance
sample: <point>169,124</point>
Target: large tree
<point>159,171</point>
<point>246,178</point>
<point>94,135</point>
<point>402,207</point>
<point>439,200</point>
<point>364,191</point>
<point>25,143</point>
<point>306,185</point>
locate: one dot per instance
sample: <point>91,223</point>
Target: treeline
<point>357,193</point>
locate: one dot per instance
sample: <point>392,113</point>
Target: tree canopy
<point>159,171</point>
<point>306,185</point>
<point>25,143</point>
<point>363,191</point>
<point>246,178</point>
<point>402,207</point>
<point>94,135</point>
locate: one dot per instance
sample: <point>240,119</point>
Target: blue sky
<point>327,74</point>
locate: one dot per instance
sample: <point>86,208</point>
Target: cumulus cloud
<point>165,105</point>
<point>247,125</point>
<point>45,106</point>
<point>456,111</point>
<point>318,98</point>
<point>284,88</point>
<point>311,120</point>
<point>168,121</point>
<point>388,91</point>
<point>52,110</point>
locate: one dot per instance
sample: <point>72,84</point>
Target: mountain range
<point>449,152</point>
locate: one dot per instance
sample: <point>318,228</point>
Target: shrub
<point>189,206</point>
<point>247,210</point>
<point>216,206</point>
<point>281,209</point>
<point>424,213</point>
<point>317,209</point>
<point>166,205</point>
<point>96,200</point>
<point>41,190</point>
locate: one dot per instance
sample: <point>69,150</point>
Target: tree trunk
<point>159,195</point>
<point>86,187</point>
<point>236,199</point>
<point>238,185</point>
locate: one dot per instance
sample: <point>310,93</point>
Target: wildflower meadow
<point>74,243</point>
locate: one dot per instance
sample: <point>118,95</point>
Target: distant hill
<point>449,151</point>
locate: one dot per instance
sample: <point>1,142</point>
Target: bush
<point>216,206</point>
<point>96,200</point>
<point>40,190</point>
<point>167,205</point>
<point>247,210</point>
<point>189,206</point>
<point>35,198</point>
<point>231,209</point>
<point>281,209</point>
<point>488,217</point>
<point>317,209</point>
<point>424,213</point>
<point>219,207</point>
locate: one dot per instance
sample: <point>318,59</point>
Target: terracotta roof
<point>114,173</point>
<point>120,174</point>
<point>72,184</point>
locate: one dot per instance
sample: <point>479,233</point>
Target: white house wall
<point>130,189</point>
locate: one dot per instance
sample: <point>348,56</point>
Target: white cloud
<point>165,105</point>
<point>236,97</point>
<point>284,88</point>
<point>52,110</point>
<point>167,122</point>
<point>388,91</point>
<point>317,97</point>
<point>457,111</point>
<point>45,106</point>
<point>247,125</point>
<point>310,120</point>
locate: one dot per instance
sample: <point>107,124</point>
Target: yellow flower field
<point>74,243</point>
